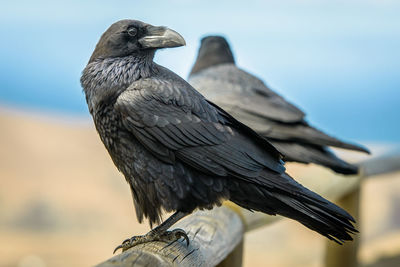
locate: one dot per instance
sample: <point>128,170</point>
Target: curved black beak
<point>161,37</point>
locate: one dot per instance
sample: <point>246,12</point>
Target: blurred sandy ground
<point>63,203</point>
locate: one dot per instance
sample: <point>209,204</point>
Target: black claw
<point>123,245</point>
<point>151,236</point>
<point>187,239</point>
<point>126,240</point>
<point>120,246</point>
<point>181,233</point>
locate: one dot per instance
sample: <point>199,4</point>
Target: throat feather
<point>105,78</point>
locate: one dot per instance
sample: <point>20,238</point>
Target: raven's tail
<point>280,194</point>
<point>307,153</point>
<point>305,133</point>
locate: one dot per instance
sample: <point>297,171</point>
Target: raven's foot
<point>166,236</point>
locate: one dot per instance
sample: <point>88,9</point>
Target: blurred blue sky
<point>338,60</point>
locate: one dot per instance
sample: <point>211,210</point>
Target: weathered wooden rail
<point>216,236</point>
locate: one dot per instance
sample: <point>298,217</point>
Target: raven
<point>249,100</point>
<point>178,151</point>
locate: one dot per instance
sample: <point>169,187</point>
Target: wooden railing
<point>216,236</point>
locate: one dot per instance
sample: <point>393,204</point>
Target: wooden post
<point>213,236</point>
<point>235,258</point>
<point>345,255</point>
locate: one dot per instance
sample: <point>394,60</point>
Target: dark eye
<point>132,31</point>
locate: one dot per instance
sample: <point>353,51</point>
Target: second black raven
<point>249,100</point>
<point>178,151</point>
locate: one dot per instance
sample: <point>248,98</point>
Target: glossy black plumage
<point>179,152</point>
<point>250,101</point>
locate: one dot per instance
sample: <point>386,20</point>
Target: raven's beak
<point>161,37</point>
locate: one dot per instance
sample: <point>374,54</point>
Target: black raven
<point>178,151</point>
<point>249,100</point>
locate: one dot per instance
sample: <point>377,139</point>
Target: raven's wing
<point>249,100</point>
<point>176,124</point>
<point>172,121</point>
<point>233,88</point>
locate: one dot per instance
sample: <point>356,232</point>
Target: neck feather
<point>211,57</point>
<point>103,78</point>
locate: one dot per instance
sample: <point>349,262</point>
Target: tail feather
<point>321,221</point>
<point>280,194</point>
<point>305,133</point>
<point>307,153</point>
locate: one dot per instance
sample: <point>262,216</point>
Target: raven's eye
<point>132,31</point>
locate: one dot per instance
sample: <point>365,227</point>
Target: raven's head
<point>133,37</point>
<point>214,50</point>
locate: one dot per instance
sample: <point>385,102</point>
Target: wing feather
<point>184,125</point>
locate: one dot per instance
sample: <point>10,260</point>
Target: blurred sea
<point>338,61</point>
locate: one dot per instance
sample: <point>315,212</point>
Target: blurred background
<point>63,203</point>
